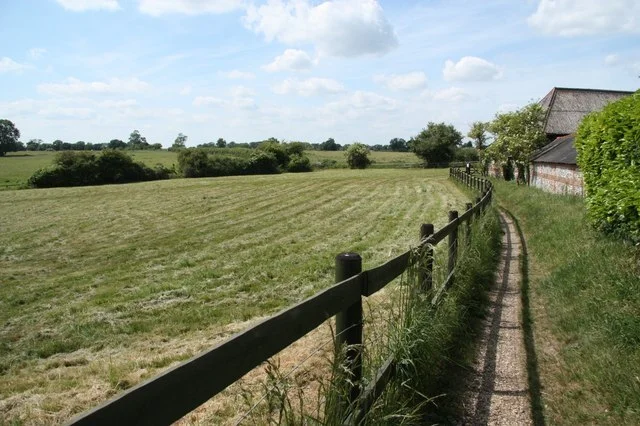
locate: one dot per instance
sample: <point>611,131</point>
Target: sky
<point>301,70</point>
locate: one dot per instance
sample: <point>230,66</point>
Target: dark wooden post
<point>468,236</point>
<point>425,275</point>
<point>453,245</point>
<point>349,325</point>
<point>479,210</point>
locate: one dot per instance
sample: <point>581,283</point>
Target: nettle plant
<point>608,145</point>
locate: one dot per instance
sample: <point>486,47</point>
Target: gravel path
<point>497,392</point>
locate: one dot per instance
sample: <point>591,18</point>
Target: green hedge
<point>608,145</point>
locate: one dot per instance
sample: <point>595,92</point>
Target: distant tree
<point>155,146</point>
<point>117,144</point>
<point>358,156</point>
<point>295,148</point>
<point>517,135</point>
<point>57,145</point>
<point>478,133</point>
<point>34,144</point>
<point>221,143</point>
<point>329,145</point>
<point>137,141</point>
<point>79,146</point>
<point>436,143</point>
<point>179,143</point>
<point>398,145</point>
<point>9,135</point>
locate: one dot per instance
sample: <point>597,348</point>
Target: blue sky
<point>354,70</point>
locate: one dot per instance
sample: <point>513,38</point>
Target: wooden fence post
<point>425,275</point>
<point>469,206</point>
<point>453,245</point>
<point>349,325</point>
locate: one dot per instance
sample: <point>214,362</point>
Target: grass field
<point>585,300</point>
<point>17,167</point>
<point>104,286</point>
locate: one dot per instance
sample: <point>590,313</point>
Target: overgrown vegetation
<point>585,297</point>
<point>436,143</point>
<point>429,340</point>
<point>608,145</point>
<point>71,168</point>
<point>358,156</point>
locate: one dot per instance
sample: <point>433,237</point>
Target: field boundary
<point>179,390</point>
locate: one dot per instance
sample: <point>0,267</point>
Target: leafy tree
<point>57,145</point>
<point>478,133</point>
<point>358,156</point>
<point>398,145</point>
<point>34,144</point>
<point>137,141</point>
<point>436,143</point>
<point>296,148</point>
<point>79,146</point>
<point>117,144</point>
<point>179,143</point>
<point>329,145</point>
<point>221,143</point>
<point>9,135</point>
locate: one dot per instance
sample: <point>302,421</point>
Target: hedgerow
<point>608,145</point>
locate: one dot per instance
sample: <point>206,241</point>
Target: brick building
<point>553,168</point>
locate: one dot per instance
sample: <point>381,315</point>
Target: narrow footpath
<point>497,392</point>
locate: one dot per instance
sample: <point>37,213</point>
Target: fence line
<point>179,390</point>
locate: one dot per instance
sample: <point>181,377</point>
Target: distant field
<point>101,287</point>
<point>17,167</point>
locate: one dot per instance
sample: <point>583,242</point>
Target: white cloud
<point>471,68</point>
<point>240,97</point>
<point>409,81</point>
<point>290,60</point>
<point>124,103</point>
<point>36,53</point>
<point>345,28</point>
<point>185,90</point>
<point>73,86</point>
<point>309,87</point>
<point>238,75</point>
<point>187,7</point>
<point>361,101</point>
<point>582,17</point>
<point>612,59</point>
<point>82,5</point>
<point>242,92</point>
<point>451,94</point>
<point>9,65</point>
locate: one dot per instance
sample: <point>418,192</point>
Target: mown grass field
<point>17,167</point>
<point>585,300</point>
<point>102,287</point>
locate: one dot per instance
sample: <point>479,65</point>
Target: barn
<point>553,168</point>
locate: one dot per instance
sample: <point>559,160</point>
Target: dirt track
<point>498,391</point>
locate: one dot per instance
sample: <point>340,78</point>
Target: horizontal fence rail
<point>179,390</point>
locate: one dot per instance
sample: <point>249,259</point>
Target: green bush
<point>608,145</point>
<point>85,168</point>
<point>299,164</point>
<point>358,156</point>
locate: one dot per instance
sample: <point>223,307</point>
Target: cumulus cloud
<point>409,81</point>
<point>361,101</point>
<point>290,60</point>
<point>612,59</point>
<point>122,103</point>
<point>207,101</point>
<point>451,94</point>
<point>344,28</point>
<point>73,86</point>
<point>187,7</point>
<point>309,87</point>
<point>9,65</point>
<point>83,5</point>
<point>240,97</point>
<point>238,75</point>
<point>471,68</point>
<point>583,17</point>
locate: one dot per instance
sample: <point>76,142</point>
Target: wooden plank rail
<point>179,390</point>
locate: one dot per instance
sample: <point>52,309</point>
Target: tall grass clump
<point>429,339</point>
<point>585,297</point>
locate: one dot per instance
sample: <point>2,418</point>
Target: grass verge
<point>584,290</point>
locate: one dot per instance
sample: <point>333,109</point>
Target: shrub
<point>358,156</point>
<point>608,145</point>
<point>279,152</point>
<point>263,163</point>
<point>299,164</point>
<point>84,168</point>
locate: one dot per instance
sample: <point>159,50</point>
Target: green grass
<point>101,286</point>
<point>379,158</point>
<point>585,297</point>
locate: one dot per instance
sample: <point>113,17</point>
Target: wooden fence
<point>179,390</point>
